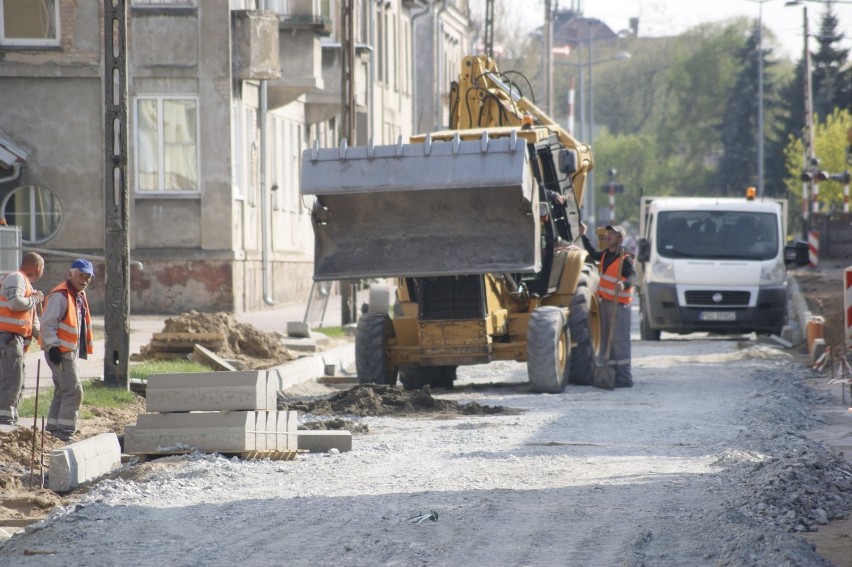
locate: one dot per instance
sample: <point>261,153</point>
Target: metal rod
<point>35,420</point>
<point>41,452</point>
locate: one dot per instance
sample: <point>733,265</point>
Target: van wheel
<point>548,350</point>
<point>584,324</point>
<point>374,332</point>
<point>646,333</point>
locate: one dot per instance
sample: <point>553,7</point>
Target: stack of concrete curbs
<point>214,412</point>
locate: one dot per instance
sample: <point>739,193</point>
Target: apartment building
<point>223,97</point>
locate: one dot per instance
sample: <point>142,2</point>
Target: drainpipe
<point>265,229</point>
<point>16,171</point>
<point>438,67</point>
<point>371,82</point>
<point>415,126</point>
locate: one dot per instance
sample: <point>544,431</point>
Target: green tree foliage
<point>738,167</point>
<point>832,78</point>
<point>831,146</point>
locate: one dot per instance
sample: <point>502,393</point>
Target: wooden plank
<point>205,356</point>
<point>190,337</point>
<point>170,355</point>
<point>246,456</point>
<point>171,346</point>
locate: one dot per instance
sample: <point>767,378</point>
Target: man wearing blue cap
<point>66,334</point>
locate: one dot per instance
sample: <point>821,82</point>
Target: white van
<point>714,265</point>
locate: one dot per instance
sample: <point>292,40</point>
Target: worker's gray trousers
<point>11,377</point>
<point>619,355</point>
<point>67,396</point>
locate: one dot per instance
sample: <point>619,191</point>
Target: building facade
<point>223,97</point>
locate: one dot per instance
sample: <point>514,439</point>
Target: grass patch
<point>145,369</point>
<point>95,395</point>
<point>333,332</point>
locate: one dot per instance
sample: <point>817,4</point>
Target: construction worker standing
<point>615,291</point>
<point>66,334</point>
<point>18,325</point>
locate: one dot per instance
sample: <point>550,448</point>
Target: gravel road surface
<point>703,462</point>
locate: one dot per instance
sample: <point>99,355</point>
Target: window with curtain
<point>29,22</point>
<point>166,144</point>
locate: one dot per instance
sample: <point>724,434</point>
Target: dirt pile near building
<point>379,399</point>
<point>250,347</point>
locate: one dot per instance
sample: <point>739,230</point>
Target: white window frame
<point>35,42</point>
<point>160,99</point>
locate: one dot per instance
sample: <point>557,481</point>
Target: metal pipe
<point>438,66</point>
<point>16,171</point>
<point>415,126</point>
<point>265,236</point>
<point>35,420</point>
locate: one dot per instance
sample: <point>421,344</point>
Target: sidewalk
<point>142,327</point>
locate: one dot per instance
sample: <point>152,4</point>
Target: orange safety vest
<point>610,277</point>
<point>17,322</point>
<point>68,331</point>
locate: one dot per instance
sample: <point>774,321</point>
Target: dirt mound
<point>379,399</point>
<point>335,424</point>
<point>252,348</point>
<point>17,506</point>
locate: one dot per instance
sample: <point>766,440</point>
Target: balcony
<point>256,45</point>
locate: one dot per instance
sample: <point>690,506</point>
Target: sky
<point>671,17</point>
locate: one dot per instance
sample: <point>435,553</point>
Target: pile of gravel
<point>790,482</point>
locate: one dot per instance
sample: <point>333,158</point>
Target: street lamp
<point>760,129</point>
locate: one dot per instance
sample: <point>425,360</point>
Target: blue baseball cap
<point>84,266</point>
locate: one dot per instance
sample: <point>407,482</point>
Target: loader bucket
<point>432,209</point>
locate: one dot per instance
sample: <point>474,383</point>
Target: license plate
<point>717,316</point>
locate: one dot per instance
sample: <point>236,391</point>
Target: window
<point>166,144</point>
<point>29,22</point>
<point>36,210</point>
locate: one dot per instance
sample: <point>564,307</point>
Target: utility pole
<point>489,28</point>
<point>808,187</point>
<point>760,99</point>
<point>116,208</point>
<point>347,92</point>
<point>547,60</point>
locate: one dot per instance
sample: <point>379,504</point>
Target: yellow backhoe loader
<point>479,225</point>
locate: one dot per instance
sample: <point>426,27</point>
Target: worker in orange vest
<point>18,324</point>
<point>66,335</point>
<point>615,291</point>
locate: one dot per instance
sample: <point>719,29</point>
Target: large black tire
<point>371,349</point>
<point>585,332</point>
<point>646,333</point>
<point>415,376</point>
<point>548,350</point>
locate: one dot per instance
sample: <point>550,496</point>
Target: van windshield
<point>717,235</point>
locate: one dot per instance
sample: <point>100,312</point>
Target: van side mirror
<point>644,252</point>
<point>567,161</point>
<point>797,253</point>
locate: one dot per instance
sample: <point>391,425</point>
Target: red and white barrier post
<point>813,248</point>
<point>847,306</point>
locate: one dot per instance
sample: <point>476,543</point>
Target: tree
<point>830,145</point>
<point>831,74</point>
<point>738,167</point>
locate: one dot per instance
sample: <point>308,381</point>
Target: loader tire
<point>585,334</point>
<point>415,376</point>
<point>548,350</point>
<point>371,349</point>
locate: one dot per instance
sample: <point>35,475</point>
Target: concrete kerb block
<point>322,441</point>
<point>298,329</point>
<point>212,391</point>
<point>210,432</point>
<point>83,461</point>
